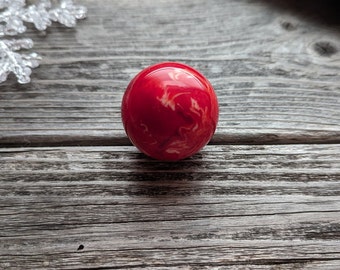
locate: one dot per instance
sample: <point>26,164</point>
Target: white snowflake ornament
<point>13,16</point>
<point>68,13</point>
<point>20,64</point>
<point>38,15</point>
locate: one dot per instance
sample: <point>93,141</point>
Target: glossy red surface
<point>169,111</point>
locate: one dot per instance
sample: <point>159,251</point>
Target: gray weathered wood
<point>241,207</point>
<point>276,73</point>
<point>275,66</point>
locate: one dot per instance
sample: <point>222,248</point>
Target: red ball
<point>170,111</point>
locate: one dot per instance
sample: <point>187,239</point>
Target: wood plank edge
<point>312,137</point>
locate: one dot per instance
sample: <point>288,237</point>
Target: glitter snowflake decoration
<point>13,16</point>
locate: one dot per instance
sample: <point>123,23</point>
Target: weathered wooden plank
<point>242,207</point>
<point>276,73</point>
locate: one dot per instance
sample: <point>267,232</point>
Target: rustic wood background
<point>265,194</point>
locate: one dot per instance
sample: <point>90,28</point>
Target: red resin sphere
<point>169,111</point>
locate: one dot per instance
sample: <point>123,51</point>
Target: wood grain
<point>276,74</point>
<point>75,195</point>
<point>228,207</point>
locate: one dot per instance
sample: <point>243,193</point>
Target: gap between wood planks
<point>318,137</point>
